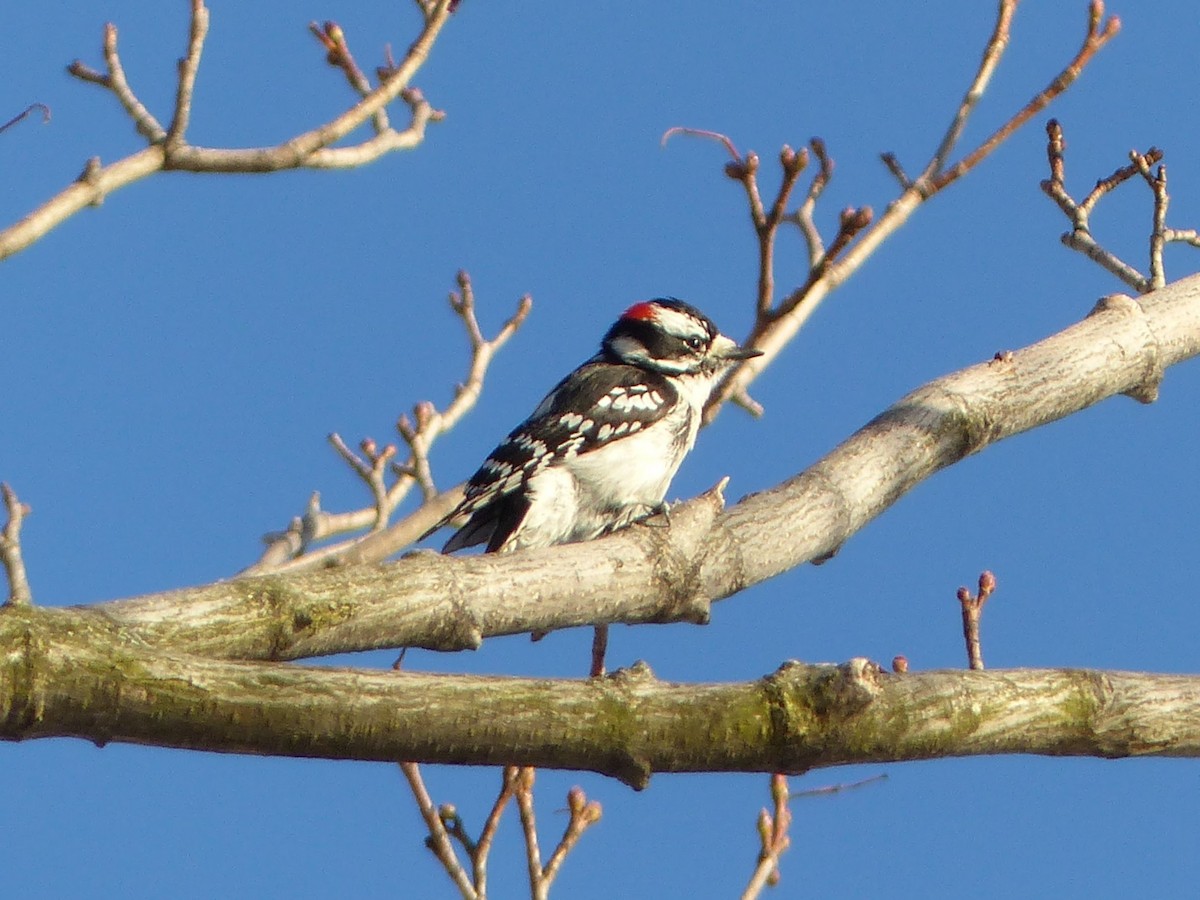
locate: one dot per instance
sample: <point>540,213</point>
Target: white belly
<point>589,495</point>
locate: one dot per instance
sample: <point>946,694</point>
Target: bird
<point>600,450</point>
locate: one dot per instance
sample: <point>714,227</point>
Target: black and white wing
<point>597,404</point>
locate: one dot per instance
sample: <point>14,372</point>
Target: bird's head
<point>671,337</point>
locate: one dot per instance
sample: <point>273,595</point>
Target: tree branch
<point>859,233</point>
<point>626,726</point>
<point>19,593</point>
<point>656,574</point>
<point>1079,212</point>
<point>289,550</point>
<point>169,151</point>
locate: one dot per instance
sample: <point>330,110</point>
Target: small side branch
<point>774,839</point>
<point>1080,237</point>
<point>19,593</point>
<point>290,550</point>
<point>439,839</point>
<point>188,66</point>
<point>583,814</point>
<point>937,174</point>
<point>859,232</point>
<point>972,613</point>
<point>372,470</point>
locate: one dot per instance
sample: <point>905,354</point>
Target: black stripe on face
<point>658,344</point>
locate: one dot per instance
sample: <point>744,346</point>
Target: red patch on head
<point>640,311</point>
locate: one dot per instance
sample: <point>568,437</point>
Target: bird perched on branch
<point>600,450</point>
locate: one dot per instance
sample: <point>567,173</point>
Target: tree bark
<point>628,725</point>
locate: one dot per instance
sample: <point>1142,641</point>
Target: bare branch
<point>773,836</point>
<point>1123,347</point>
<point>702,133</point>
<point>992,53</point>
<point>856,240</point>
<point>626,726</point>
<point>371,470</point>
<point>523,791</point>
<point>339,56</point>
<point>972,613</point>
<point>508,784</point>
<point>803,217</point>
<point>114,80</point>
<point>285,553</point>
<point>1099,33</point>
<point>1080,236</point>
<point>829,790</point>
<point>439,840</point>
<point>19,593</point>
<point>584,814</point>
<point>169,151</point>
<point>187,74</point>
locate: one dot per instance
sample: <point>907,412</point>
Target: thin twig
<point>371,470</point>
<point>523,791</point>
<point>775,326</point>
<point>701,133</point>
<point>418,438</point>
<point>1099,33</point>
<point>897,170</point>
<point>972,612</point>
<point>584,814</point>
<point>483,846</point>
<point>438,840</point>
<point>851,222</point>
<point>992,53</point>
<point>285,553</point>
<point>19,593</point>
<point>773,838</point>
<point>114,81</point>
<point>1158,184</point>
<point>793,164</point>
<point>1080,236</point>
<point>188,67</point>
<point>831,789</point>
<point>803,216</point>
<point>24,113</point>
<point>338,55</point>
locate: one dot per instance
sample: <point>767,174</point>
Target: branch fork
<point>167,147</point>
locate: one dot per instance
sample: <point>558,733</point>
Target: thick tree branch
<point>627,726</point>
<point>670,574</point>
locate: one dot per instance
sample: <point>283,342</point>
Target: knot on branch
<point>630,762</point>
<point>461,630</point>
<point>639,673</point>
<point>1146,390</point>
<point>824,691</point>
<point>678,554</point>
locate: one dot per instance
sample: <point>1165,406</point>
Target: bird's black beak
<point>724,348</point>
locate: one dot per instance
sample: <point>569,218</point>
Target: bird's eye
<point>696,343</point>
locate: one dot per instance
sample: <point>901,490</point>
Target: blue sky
<point>174,359</point>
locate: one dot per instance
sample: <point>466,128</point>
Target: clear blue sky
<point>173,361</point>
